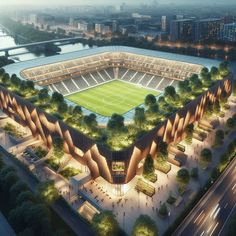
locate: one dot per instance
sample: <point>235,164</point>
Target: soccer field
<point>113,97</point>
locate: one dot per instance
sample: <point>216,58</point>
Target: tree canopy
<point>105,224</point>
<point>206,155</point>
<point>148,167</point>
<point>144,226</point>
<point>139,116</point>
<point>47,192</point>
<point>116,123</point>
<point>183,176</point>
<point>150,100</point>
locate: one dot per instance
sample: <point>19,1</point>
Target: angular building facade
<point>157,68</point>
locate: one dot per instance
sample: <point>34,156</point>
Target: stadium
<point>105,81</point>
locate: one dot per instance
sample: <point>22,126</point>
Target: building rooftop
<point>208,19</point>
<point>16,68</point>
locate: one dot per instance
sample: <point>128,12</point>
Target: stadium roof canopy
<point>16,68</point>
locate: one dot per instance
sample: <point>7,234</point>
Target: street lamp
<point>168,218</point>
<point>138,199</point>
<point>124,220</point>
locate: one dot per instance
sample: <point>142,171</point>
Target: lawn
<point>113,97</point>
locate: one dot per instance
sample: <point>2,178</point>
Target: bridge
<point>6,50</point>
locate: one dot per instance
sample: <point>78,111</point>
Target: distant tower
<point>71,21</point>
<point>164,23</point>
<point>122,7</point>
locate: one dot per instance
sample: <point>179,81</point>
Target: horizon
<point>110,2</point>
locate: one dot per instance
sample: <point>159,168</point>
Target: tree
<point>47,192</point>
<point>189,133</point>
<point>24,197</point>
<point>1,162</point>
<point>163,211</point>
<point>116,123</point>
<point>105,224</point>
<point>77,111</point>
<point>57,98</point>
<point>144,226</point>
<point>194,173</point>
<point>90,122</point>
<point>43,95</point>
<point>206,79</point>
<point>219,136</point>
<point>16,189</point>
<point>223,98</point>
<point>148,167</point>
<point>195,83</point>
<point>204,71</point>
<point>2,71</point>
<point>216,107</point>
<point>230,124</point>
<point>161,101</point>
<point>29,85</point>
<point>5,78</point>
<point>234,87</point>
<point>139,116</point>
<point>9,180</point>
<point>206,155</point>
<point>170,93</point>
<point>224,159</point>
<point>15,81</point>
<point>154,108</point>
<point>58,151</point>
<point>150,100</point>
<point>7,169</point>
<point>162,151</point>
<point>209,108</point>
<point>215,173</point>
<point>62,108</point>
<point>214,72</point>
<point>183,87</point>
<point>224,68</point>
<point>183,176</point>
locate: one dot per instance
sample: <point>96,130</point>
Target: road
<point>61,208</point>
<point>210,214</point>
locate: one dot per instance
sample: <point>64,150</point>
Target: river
<point>23,54</point>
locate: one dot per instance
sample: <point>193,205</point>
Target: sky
<point>112,2</point>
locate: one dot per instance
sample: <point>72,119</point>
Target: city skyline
<point>110,2</point>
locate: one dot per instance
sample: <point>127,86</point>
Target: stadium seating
<point>75,75</point>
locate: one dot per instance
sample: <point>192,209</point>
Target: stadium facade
<point>109,63</point>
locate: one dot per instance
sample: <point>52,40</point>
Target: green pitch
<point>113,97</point>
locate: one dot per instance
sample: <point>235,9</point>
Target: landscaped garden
<point>13,131</point>
<point>117,135</point>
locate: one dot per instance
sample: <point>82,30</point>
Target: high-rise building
<point>114,26</point>
<point>71,21</point>
<point>207,29</point>
<point>83,26</point>
<point>122,7</point>
<point>33,19</point>
<point>229,32</point>
<point>164,23</point>
<point>182,30</point>
<point>99,28</point>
